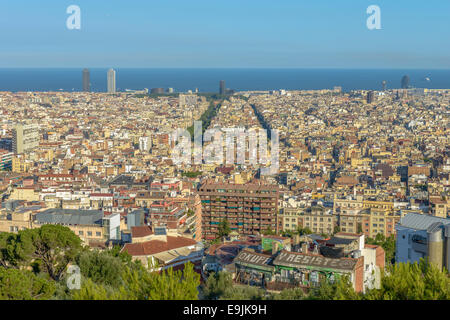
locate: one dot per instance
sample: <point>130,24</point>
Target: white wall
<point>404,251</point>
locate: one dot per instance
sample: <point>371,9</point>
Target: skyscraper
<point>222,89</point>
<point>86,81</point>
<point>111,81</point>
<point>370,97</point>
<point>405,82</point>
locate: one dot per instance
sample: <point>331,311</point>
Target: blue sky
<point>227,33</point>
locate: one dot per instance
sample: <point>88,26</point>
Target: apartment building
<point>372,217</point>
<point>25,138</point>
<point>318,219</point>
<point>5,160</point>
<point>92,226</point>
<point>250,209</point>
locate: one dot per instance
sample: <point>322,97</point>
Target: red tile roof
<point>142,231</point>
<point>157,246</point>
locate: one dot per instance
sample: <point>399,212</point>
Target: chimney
<point>304,247</point>
<point>296,239</point>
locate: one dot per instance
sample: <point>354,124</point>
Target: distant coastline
<point>207,79</point>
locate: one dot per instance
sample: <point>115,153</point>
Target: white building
<point>423,236</point>
<point>145,144</point>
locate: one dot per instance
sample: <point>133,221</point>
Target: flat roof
<point>70,217</point>
<point>421,221</point>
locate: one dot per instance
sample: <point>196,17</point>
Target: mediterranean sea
<point>207,80</point>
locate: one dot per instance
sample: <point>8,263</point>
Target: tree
<point>220,286</point>
<point>290,294</point>
<point>50,248</point>
<point>304,231</point>
<point>55,246</point>
<point>217,284</point>
<point>360,230</point>
<point>224,228</point>
<point>268,232</point>
<point>141,284</point>
<point>4,258</point>
<point>191,174</point>
<point>388,245</point>
<point>190,212</point>
<point>336,229</point>
<point>412,281</point>
<point>341,289</point>
<point>24,285</point>
<point>16,249</point>
<point>101,267</point>
<point>93,291</point>
<point>243,293</point>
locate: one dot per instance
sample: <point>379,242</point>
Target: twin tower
<point>111,81</point>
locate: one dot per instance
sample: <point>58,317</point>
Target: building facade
<point>5,160</point>
<point>422,236</point>
<point>25,138</point>
<point>250,209</point>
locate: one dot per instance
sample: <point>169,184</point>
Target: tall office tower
<point>405,82</point>
<point>111,81</point>
<point>222,89</point>
<point>249,208</point>
<point>383,84</point>
<point>25,138</point>
<point>370,97</point>
<point>86,81</point>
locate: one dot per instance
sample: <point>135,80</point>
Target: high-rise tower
<point>370,97</point>
<point>222,89</point>
<point>86,81</point>
<point>405,82</point>
<point>111,81</point>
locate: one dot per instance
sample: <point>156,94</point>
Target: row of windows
<point>315,219</point>
<point>89,233</point>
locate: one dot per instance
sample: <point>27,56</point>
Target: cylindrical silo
<point>436,244</point>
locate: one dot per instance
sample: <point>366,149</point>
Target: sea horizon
<point>41,79</point>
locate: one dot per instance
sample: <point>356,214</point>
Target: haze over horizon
<point>231,34</point>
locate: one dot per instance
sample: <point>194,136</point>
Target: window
<point>80,233</point>
<point>98,234</point>
<point>89,233</point>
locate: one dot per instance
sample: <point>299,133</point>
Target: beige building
<point>25,138</point>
